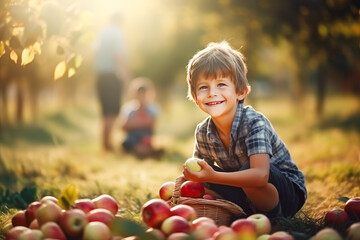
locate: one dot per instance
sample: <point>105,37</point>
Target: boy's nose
<point>212,92</point>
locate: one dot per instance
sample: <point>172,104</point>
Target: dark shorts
<point>291,198</point>
<point>108,88</point>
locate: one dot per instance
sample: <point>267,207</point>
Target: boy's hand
<point>201,176</point>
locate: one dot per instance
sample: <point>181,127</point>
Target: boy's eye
<point>202,87</point>
<point>221,84</point>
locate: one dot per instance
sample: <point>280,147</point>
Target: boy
<point>253,168</point>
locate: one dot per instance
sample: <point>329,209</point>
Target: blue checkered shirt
<point>251,133</point>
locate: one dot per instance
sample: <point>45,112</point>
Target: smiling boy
<point>243,159</point>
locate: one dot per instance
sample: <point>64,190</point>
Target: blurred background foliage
<point>293,48</point>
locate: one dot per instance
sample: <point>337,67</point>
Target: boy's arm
<point>256,176</point>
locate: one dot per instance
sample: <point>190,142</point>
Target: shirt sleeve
<point>258,140</point>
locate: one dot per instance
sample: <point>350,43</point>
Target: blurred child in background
<point>138,119</point>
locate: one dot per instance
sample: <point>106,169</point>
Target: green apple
<point>193,165</point>
<point>96,230</point>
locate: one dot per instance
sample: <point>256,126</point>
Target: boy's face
<point>217,96</point>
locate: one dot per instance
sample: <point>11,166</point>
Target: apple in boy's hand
<point>193,165</point>
<point>95,231</point>
<point>327,234</point>
<point>175,224</point>
<point>73,222</point>
<point>84,204</point>
<point>184,211</point>
<point>154,212</point>
<point>352,207</point>
<point>262,223</point>
<point>192,189</point>
<point>166,190</point>
<point>336,217</point>
<point>107,202</point>
<point>353,232</point>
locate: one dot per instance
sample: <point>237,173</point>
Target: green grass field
<point>62,147</point>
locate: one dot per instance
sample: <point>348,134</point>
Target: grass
<point>62,147</point>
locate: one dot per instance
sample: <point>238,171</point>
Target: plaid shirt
<point>251,133</point>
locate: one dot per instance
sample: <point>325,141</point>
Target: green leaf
<point>126,227</point>
<point>68,196</point>
<point>60,70</point>
<point>343,199</point>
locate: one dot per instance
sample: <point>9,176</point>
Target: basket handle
<point>177,190</point>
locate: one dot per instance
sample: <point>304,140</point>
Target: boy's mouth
<point>214,103</point>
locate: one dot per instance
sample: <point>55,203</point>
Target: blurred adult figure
<point>112,74</point>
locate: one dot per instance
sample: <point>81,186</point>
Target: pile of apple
<point>87,219</point>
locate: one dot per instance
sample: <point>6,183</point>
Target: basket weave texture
<point>220,210</point>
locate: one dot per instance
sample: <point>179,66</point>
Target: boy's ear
<point>241,95</point>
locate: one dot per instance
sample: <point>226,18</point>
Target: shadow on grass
<point>62,121</point>
<point>28,133</point>
<point>349,124</point>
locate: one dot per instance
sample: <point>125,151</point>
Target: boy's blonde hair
<point>217,60</point>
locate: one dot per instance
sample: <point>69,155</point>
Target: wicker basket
<point>220,210</point>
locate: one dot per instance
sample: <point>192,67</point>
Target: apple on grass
<point>157,233</point>
<point>31,234</point>
<point>262,223</point>
<point>96,231</point>
<point>352,207</point>
<point>205,230</point>
<point>244,228</point>
<point>34,224</point>
<point>73,222</point>
<point>200,220</point>
<point>154,212</point>
<point>192,189</point>
<point>166,190</point>
<point>49,198</point>
<point>84,204</point>
<point>281,235</point>
<point>184,211</point>
<point>52,230</point>
<point>107,202</point>
<point>336,217</point>
<point>100,215</point>
<point>30,211</point>
<point>327,234</point>
<point>353,232</point>
<point>47,212</point>
<point>193,165</point>
<point>225,233</point>
<point>19,219</point>
<point>14,232</point>
<point>178,236</point>
<point>175,224</point>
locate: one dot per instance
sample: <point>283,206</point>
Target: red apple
<point>336,217</point>
<point>353,232</point>
<point>52,230</point>
<point>166,190</point>
<point>192,189</point>
<point>96,231</point>
<point>225,233</point>
<point>15,232</point>
<point>326,234</point>
<point>179,236</point>
<point>281,235</point>
<point>205,230</point>
<point>49,198</point>
<point>100,215</point>
<point>245,229</point>
<point>209,197</point>
<point>107,202</point>
<point>30,211</point>
<point>154,212</point>
<point>184,211</point>
<point>31,234</point>
<point>73,222</point>
<point>263,237</point>
<point>352,207</point>
<point>193,165</point>
<point>175,224</point>
<point>262,223</point>
<point>84,204</point>
<point>201,220</point>
<point>19,219</point>
<point>47,212</point>
<point>34,224</point>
